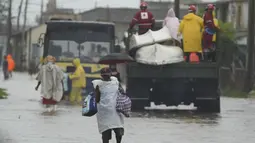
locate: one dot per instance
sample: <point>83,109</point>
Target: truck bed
<point>179,70</point>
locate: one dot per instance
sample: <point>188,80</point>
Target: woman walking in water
<point>108,118</point>
<point>50,76</point>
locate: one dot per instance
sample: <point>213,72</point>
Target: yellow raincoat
<point>191,27</point>
<point>216,23</point>
<point>78,82</point>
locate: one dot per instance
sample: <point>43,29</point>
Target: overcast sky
<point>78,5</point>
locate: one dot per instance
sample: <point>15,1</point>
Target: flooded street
<point>21,122</point>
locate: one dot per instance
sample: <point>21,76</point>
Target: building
<point>31,50</point>
<point>159,4</point>
<point>53,12</point>
<point>3,40</point>
<point>120,16</point>
<point>234,11</point>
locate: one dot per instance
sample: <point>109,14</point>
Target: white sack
<point>159,55</point>
<point>150,37</point>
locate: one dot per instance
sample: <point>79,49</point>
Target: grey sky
<point>78,5</point>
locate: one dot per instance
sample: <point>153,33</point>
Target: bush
<point>3,93</point>
<point>228,29</point>
<point>232,92</point>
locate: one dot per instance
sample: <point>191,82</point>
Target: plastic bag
<point>89,107</point>
<point>123,104</point>
<point>65,82</point>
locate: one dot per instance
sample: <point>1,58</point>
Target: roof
<point>121,14</point>
<point>16,33</point>
<point>60,11</point>
<point>81,22</point>
<point>150,2</point>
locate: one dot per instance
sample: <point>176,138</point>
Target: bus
<point>87,40</point>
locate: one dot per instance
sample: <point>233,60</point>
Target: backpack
<point>89,107</point>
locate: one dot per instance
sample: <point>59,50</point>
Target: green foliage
<point>200,12</point>
<point>3,93</point>
<point>228,29</point>
<point>231,92</point>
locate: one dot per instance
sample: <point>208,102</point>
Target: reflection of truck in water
<point>67,40</point>
<point>173,84</point>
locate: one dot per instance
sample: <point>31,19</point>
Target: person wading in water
<point>108,118</point>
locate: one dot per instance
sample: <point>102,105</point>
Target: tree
<point>3,11</point>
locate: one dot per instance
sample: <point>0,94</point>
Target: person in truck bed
<point>191,27</point>
<point>209,30</point>
<point>144,19</point>
<point>172,23</point>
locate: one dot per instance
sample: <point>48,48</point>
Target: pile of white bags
<point>151,52</point>
<point>159,55</point>
<point>150,37</point>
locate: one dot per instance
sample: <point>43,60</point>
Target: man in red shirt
<point>144,19</point>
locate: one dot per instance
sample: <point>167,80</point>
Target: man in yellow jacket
<point>216,23</point>
<point>191,27</point>
<point>78,82</point>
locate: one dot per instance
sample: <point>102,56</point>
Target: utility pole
<point>23,42</point>
<point>25,16</point>
<point>177,8</point>
<point>9,31</point>
<point>96,4</point>
<point>41,17</point>
<point>19,13</point>
<point>250,42</point>
<point>108,13</point>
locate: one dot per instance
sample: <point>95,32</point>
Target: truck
<point>174,84</point>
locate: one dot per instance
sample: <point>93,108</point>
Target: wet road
<point>21,122</point>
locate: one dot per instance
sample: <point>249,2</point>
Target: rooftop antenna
<point>96,4</point>
<point>108,13</point>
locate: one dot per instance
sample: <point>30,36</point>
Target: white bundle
<point>159,55</point>
<point>150,37</point>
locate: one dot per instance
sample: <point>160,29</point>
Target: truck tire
<point>138,91</point>
<point>139,104</point>
<point>208,106</point>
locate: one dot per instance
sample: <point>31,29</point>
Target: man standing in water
<point>108,119</point>
<point>78,82</point>
<point>5,68</point>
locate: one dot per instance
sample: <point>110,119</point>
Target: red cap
<point>192,8</point>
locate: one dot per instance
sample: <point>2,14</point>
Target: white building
<point>30,51</point>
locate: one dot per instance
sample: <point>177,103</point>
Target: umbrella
<point>115,58</point>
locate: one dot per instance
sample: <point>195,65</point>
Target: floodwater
<point>21,121</point>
